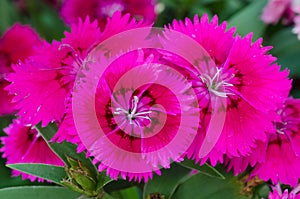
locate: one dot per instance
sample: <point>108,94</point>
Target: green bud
<point>71,186</point>
<point>73,162</point>
<point>86,182</point>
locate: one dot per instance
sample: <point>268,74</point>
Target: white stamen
<point>214,84</point>
<point>133,114</point>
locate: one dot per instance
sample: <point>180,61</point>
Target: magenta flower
<point>115,25</point>
<point>284,143</point>
<point>24,144</point>
<point>244,76</point>
<point>133,126</point>
<point>25,38</point>
<point>100,10</point>
<point>43,83</point>
<point>277,193</point>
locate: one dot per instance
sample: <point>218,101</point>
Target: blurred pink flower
<point>17,43</point>
<point>287,10</point>
<point>100,10</point>
<point>277,9</point>
<point>24,144</point>
<point>278,158</point>
<point>245,76</point>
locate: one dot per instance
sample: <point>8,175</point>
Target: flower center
<point>280,127</point>
<point>217,84</point>
<point>134,115</point>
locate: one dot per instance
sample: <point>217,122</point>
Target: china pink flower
<point>241,73</point>
<point>282,167</point>
<point>140,117</point>
<point>115,25</point>
<point>16,45</point>
<point>278,194</point>
<point>24,144</point>
<point>100,10</point>
<point>42,84</point>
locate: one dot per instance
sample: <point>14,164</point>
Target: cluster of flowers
<point>261,128</point>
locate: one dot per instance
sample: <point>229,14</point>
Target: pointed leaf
<point>49,172</point>
<point>65,149</point>
<point>205,169</point>
<point>6,180</point>
<point>37,192</point>
<point>204,186</point>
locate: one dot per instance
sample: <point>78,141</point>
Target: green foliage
<point>200,186</point>
<point>205,169</point>
<point>166,184</point>
<point>37,192</point>
<point>49,172</point>
<point>248,19</point>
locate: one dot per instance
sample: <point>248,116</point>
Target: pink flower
<point>244,76</point>
<point>43,83</point>
<point>277,193</point>
<point>16,45</point>
<point>24,144</point>
<point>140,117</point>
<point>115,25</point>
<point>277,159</point>
<point>277,9</point>
<point>100,10</point>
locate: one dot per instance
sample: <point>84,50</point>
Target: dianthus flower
<point>42,84</point>
<point>141,116</point>
<point>242,74</point>
<point>277,193</point>
<point>16,45</point>
<point>278,158</point>
<point>24,144</point>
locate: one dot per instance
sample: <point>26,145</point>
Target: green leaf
<point>167,183</point>
<point>132,193</point>
<point>205,169</point>
<point>8,15</point>
<point>45,20</point>
<point>115,185</point>
<point>6,180</point>
<point>49,172</point>
<point>202,186</point>
<point>65,149</point>
<point>286,48</point>
<point>37,192</point>
<point>248,19</point>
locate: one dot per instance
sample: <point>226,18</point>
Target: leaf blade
<point>37,192</point>
<point>205,169</point>
<point>49,172</point>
